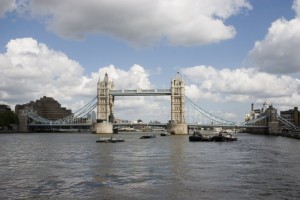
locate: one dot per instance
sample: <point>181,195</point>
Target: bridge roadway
<point>147,124</point>
<point>190,125</point>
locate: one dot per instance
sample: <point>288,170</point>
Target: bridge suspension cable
<point>76,117</point>
<point>210,116</point>
<point>87,108</point>
<point>285,122</point>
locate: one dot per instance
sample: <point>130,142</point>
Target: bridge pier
<point>23,118</point>
<point>177,129</point>
<point>103,128</point>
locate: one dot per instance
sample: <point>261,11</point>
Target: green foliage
<point>7,118</point>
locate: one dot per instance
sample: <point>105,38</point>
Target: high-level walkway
<point>140,92</point>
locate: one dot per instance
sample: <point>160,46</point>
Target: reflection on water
<point>65,166</point>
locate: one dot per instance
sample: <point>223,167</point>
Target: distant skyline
<point>230,53</point>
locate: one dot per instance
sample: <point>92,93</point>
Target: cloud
<point>296,8</point>
<point>141,22</point>
<point>278,52</point>
<point>7,6</point>
<point>238,85</point>
<point>30,70</point>
<point>135,78</point>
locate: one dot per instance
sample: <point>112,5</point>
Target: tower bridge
<point>267,122</point>
<point>106,95</point>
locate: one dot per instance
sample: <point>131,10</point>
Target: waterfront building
<point>46,107</point>
<point>292,115</point>
<point>270,121</point>
<point>4,107</point>
<point>92,116</point>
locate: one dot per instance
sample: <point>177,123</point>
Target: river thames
<point>74,166</point>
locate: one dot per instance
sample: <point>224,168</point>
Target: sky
<point>230,53</point>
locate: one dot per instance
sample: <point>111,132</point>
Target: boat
<point>110,140</point>
<point>196,137</point>
<point>115,130</point>
<point>165,134</point>
<point>206,138</point>
<point>230,137</point>
<point>147,136</point>
<point>218,138</point>
<point>68,130</point>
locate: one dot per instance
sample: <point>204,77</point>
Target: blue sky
<point>231,53</point>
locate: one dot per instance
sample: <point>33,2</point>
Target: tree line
<point>7,118</point>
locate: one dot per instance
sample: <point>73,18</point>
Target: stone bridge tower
<point>178,125</point>
<point>105,106</point>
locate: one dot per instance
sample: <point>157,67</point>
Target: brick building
<point>292,115</point>
<point>46,107</point>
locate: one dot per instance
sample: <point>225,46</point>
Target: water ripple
<point>74,166</point>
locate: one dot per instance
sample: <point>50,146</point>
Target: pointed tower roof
<point>105,78</point>
<point>178,77</point>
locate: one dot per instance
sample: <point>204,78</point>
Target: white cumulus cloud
<point>228,93</point>
<point>141,22</point>
<point>31,70</point>
<point>238,85</point>
<point>296,7</point>
<point>278,52</point>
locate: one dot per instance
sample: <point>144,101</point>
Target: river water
<point>74,166</point>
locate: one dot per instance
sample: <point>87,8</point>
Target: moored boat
<point>110,140</point>
<point>147,136</point>
<point>165,134</point>
<point>115,130</point>
<point>218,138</point>
<point>230,137</point>
<point>196,137</point>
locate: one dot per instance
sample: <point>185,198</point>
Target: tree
<point>7,118</point>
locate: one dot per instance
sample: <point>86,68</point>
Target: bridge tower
<point>105,106</point>
<point>177,125</point>
<point>272,121</point>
